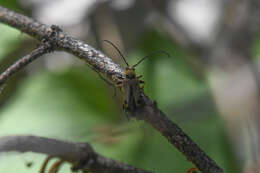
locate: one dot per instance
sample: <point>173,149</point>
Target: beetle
<point>130,84</point>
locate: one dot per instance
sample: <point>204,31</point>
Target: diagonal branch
<point>21,63</point>
<point>149,112</point>
<point>64,42</point>
<point>48,45</point>
<point>67,151</point>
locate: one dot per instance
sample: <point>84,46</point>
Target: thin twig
<point>40,31</point>
<point>80,154</point>
<point>149,112</point>
<point>48,45</point>
<point>21,63</point>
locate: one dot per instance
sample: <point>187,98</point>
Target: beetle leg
<point>138,77</point>
<point>104,79</point>
<point>45,163</point>
<point>120,77</point>
<point>141,81</point>
<point>126,109</point>
<point>109,83</point>
<point>55,167</point>
<point>125,105</point>
<point>119,84</point>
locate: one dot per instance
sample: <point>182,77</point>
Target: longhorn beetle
<point>130,85</point>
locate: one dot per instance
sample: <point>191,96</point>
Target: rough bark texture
<point>80,154</point>
<point>148,112</point>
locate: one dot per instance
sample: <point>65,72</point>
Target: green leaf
<point>73,105</point>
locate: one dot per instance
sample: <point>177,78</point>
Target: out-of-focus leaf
<point>72,105</point>
<point>12,4</point>
<point>8,40</point>
<point>166,84</point>
<point>180,59</point>
<point>64,101</point>
<point>170,82</point>
<point>256,47</point>
<point>76,105</point>
<point>160,156</point>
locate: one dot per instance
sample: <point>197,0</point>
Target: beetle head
<point>130,73</point>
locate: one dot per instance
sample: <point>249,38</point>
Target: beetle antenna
<point>154,53</point>
<point>117,51</point>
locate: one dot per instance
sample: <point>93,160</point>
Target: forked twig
<point>149,112</point>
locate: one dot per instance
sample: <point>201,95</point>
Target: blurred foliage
<point>12,4</point>
<point>169,80</point>
<point>8,40</point>
<point>256,47</point>
<point>76,105</point>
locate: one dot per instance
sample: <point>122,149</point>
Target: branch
<point>149,112</point>
<point>174,134</point>
<point>64,42</point>
<point>48,45</point>
<point>67,151</point>
<point>21,63</point>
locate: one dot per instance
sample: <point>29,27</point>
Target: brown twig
<point>48,45</point>
<point>174,134</point>
<point>95,58</point>
<point>149,112</point>
<point>80,154</point>
<point>21,63</point>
